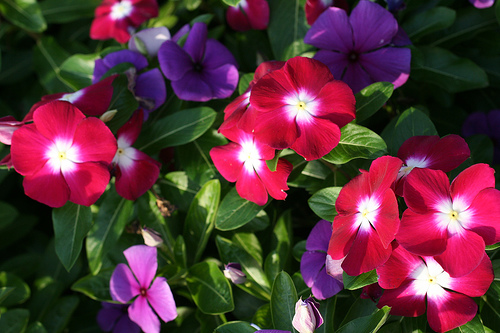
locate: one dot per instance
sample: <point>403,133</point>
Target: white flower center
<point>121,10</point>
<point>301,106</point>
<point>411,163</point>
<point>249,155</point>
<point>367,212</point>
<point>453,215</point>
<point>62,156</point>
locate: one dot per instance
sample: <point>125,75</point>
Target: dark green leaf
<point>14,321</point>
<point>25,14</point>
<point>273,164</point>
<point>250,243</point>
<point>366,324</point>
<point>356,142</point>
<point>428,21</point>
<point>71,223</point>
<point>8,214</point>
<point>235,326</point>
<point>4,292</point>
<point>497,11</point>
<point>200,219</point>
<point>473,326</point>
<point>244,81</point>
<point>231,2</point>
<point>123,101</point>
<point>79,69</point>
<point>16,66</point>
<point>283,299</point>
<point>58,316</point>
<point>192,4</point>
<point>20,292</point>
<point>262,317</point>
<point>370,99</point>
<point>356,282</point>
<point>234,211</point>
<point>361,307</point>
<point>95,286</point>
<point>179,189</point>
<point>56,11</point>
<point>36,327</point>
<point>323,202</point>
<point>177,129</point>
<point>209,288</point>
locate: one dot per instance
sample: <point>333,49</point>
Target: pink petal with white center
<point>355,191</point>
<point>94,142</point>
<point>141,313</point>
<point>123,286</point>
<point>422,234</point>
<point>305,74</point>
<point>383,173</point>
<point>47,187</point>
<point>426,190</point>
<point>387,221</point>
<point>87,181</point>
<point>275,181</point>
<point>226,160</point>
<point>469,182</point>
<point>344,232</point>
<point>103,27</point>
<point>417,147</point>
<point>161,299</point>
<point>336,103</point>
<point>391,64</point>
<point>269,93</point>
<point>93,100</point>
<point>316,137</point>
<point>408,300</point>
<point>129,132</point>
<point>398,268</point>
<point>143,263</point>
<point>250,187</point>
<point>448,153</point>
<point>143,10</point>
<point>485,219</point>
<point>29,149</point>
<point>464,251</point>
<point>57,120</point>
<point>276,128</point>
<point>448,310</point>
<point>331,29</point>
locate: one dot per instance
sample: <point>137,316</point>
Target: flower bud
<point>233,272</point>
<point>151,237</point>
<point>108,115</point>
<point>307,317</point>
<point>148,41</point>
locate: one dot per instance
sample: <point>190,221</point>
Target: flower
<point>314,8</point>
<point>482,3</point>
<point>202,70</point>
<point>148,41</point>
<point>151,237</point>
<point>244,161</point>
<point>135,171</point>
<point>307,317</point>
<point>137,281</point>
<point>315,263</point>
<point>233,272</point>
<point>430,152</point>
<point>487,124</point>
<point>368,218</point>
<point>115,18</point>
<point>248,14</point>
<point>412,281</point>
<point>451,222</point>
<point>357,49</point>
<point>8,125</point>
<point>302,107</point>
<point>114,318</point>
<point>63,155</point>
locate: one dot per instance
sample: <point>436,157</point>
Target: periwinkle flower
<point>233,272</point>
<point>148,41</point>
<point>201,70</point>
<point>307,317</point>
<point>114,318</point>
<point>482,3</point>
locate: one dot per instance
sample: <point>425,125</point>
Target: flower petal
<point>344,232</point>
<point>448,153</point>
<point>426,190</point>
<point>123,286</point>
<point>407,300</point>
<point>191,87</point>
<point>326,286</point>
<point>143,263</point>
<point>226,160</point>
<point>275,181</point>
<point>319,237</point>
<point>29,149</point>
<point>469,182</point>
<point>337,62</point>
<point>93,142</point>
<point>389,64</point>
<point>331,31</point>
<point>161,299</point>
<point>398,267</point>
<point>311,263</point>
<point>150,86</point>
<point>276,129</point>
<point>57,120</point>
<point>47,186</point>
<point>141,313</point>
<point>174,61</point>
<point>222,80</point>
<point>86,181</point>
<point>217,55</point>
<point>316,137</point>
<point>195,42</point>
<point>250,187</point>
<point>485,219</point>
<point>387,221</point>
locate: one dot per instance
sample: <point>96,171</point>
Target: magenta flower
<point>411,282</point>
<point>248,15</point>
<point>358,48</point>
<point>302,107</point>
<point>135,171</point>
<point>368,218</point>
<point>137,282</point>
<point>314,8</point>
<point>63,155</point>
<point>244,161</point>
<point>202,70</point>
<point>115,18</point>
<point>8,125</point>
<point>314,264</point>
<point>482,3</point>
<point>114,318</point>
<point>430,152</point>
<point>452,223</point>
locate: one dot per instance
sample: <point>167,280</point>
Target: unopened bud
<point>108,115</point>
<point>307,317</point>
<point>233,272</point>
<point>151,237</point>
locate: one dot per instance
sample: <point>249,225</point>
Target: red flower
<point>248,14</point>
<point>115,18</point>
<point>314,8</point>
<point>63,155</point>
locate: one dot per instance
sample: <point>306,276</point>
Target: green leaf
<point>122,100</point>
<point>79,69</point>
<point>8,214</point>
<point>200,219</point>
<point>14,321</point>
<point>58,316</point>
<point>440,67</point>
<point>428,21</point>
<point>179,189</point>
<point>473,326</point>
<point>209,288</point>
<point>56,11</point>
<point>283,299</point>
<point>26,14</point>
<point>497,11</point>
<point>323,202</point>
<point>287,28</point>
<point>113,215</point>
<point>234,211</point>
<point>231,3</point>
<point>367,324</point>
<point>192,4</point>
<point>20,290</point>
<point>71,223</point>
<point>177,129</point>
<point>492,247</point>
<point>356,142</point>
<point>244,81</point>
<point>361,307</point>
<point>410,123</point>
<point>95,286</point>
<point>356,282</point>
<point>235,326</point>
<point>36,327</point>
<point>370,99</point>
<point>4,292</point>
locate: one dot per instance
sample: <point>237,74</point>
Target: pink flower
<point>248,14</point>
<point>302,107</point>
<point>137,281</point>
<point>135,171</point>
<point>412,281</point>
<point>63,155</point>
<point>431,152</point>
<point>115,18</point>
<point>8,125</point>
<point>244,162</point>
<point>368,218</point>
<point>452,223</point>
<point>314,8</point>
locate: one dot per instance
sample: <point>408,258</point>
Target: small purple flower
<point>233,272</point>
<point>148,41</point>
<point>482,3</point>
<point>487,124</point>
<point>114,318</point>
<point>320,272</point>
<point>148,87</point>
<point>360,49</point>
<point>202,70</point>
<point>137,281</point>
<point>307,317</point>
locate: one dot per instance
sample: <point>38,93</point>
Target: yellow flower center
<point>120,151</point>
<point>432,280</point>
<point>62,155</point>
<point>301,105</point>
<point>364,213</point>
<point>454,215</point>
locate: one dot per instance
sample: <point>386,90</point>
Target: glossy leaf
<point>367,324</point>
<point>26,14</point>
<point>428,21</point>
<point>14,321</point>
<point>234,211</point>
<point>192,4</point>
<point>473,326</point>
<point>123,101</point>
<point>283,299</point>
<point>95,286</point>
<point>356,282</point>
<point>323,202</point>
<point>179,189</point>
<point>231,2</point>
<point>71,223</point>
<point>78,70</point>
<point>56,11</point>
<point>235,327</point>
<point>244,81</point>
<point>20,292</point>
<point>370,99</point>
<point>36,327</point>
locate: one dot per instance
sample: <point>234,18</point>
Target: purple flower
<point>487,124</point>
<point>360,49</point>
<point>138,281</point>
<point>202,70</point>
<point>307,317</point>
<point>233,272</point>
<point>395,5</point>
<point>320,272</point>
<point>148,88</point>
<point>114,317</point>
<point>482,3</point>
